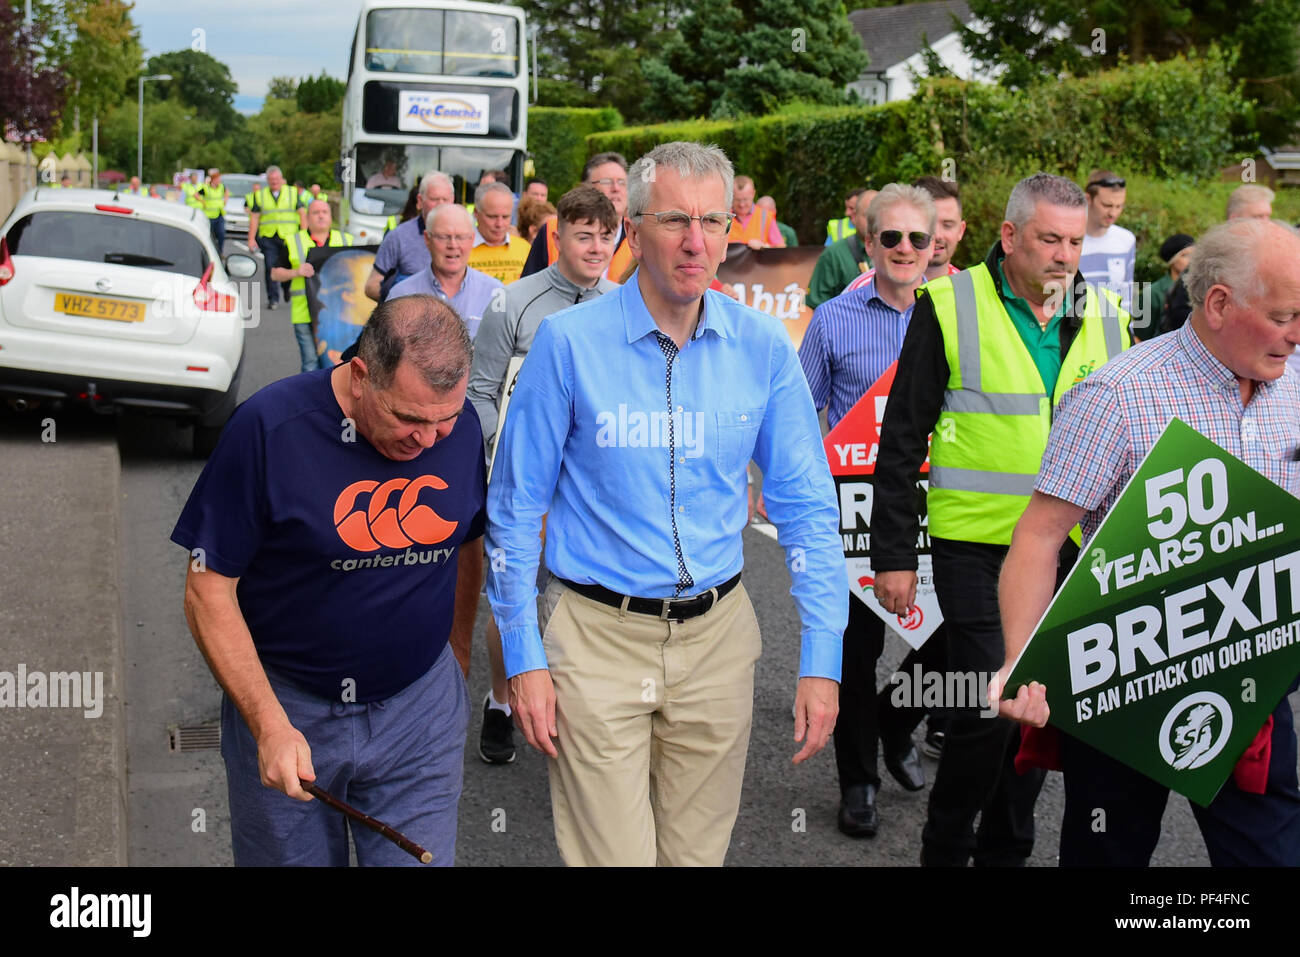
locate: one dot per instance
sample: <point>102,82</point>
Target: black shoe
<point>858,817</point>
<point>933,746</point>
<point>906,768</point>
<point>496,742</point>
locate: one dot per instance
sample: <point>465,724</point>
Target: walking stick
<point>379,827</point>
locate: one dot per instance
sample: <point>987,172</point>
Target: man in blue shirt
<point>449,236</point>
<point>332,589</point>
<point>851,341</point>
<point>403,252</point>
<point>631,425</point>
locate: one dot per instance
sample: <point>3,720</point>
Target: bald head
<point>319,218</point>
<point>451,216</point>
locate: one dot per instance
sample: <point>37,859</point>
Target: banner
<point>1178,630</point>
<point>851,449</point>
<point>774,281</point>
<point>336,296</point>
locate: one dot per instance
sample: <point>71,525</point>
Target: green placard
<point>1178,631</point>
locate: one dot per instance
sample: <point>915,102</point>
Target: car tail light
<point>6,262</point>
<point>105,208</point>
<point>208,299</point>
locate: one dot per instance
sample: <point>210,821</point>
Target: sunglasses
<point>1112,183</point>
<point>889,238</point>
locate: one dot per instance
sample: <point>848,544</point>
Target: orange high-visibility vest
<point>757,229</point>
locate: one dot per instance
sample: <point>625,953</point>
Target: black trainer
<point>933,746</point>
<point>496,742</point>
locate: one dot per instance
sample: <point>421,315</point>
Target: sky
<point>256,39</point>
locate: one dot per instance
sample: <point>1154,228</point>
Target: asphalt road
<point>177,808</point>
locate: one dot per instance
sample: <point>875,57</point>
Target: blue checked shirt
<point>851,340</point>
<point>587,442</point>
<point>1108,422</point>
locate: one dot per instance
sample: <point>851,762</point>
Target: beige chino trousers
<point>654,719</point>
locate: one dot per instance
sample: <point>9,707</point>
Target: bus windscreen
<point>445,43</point>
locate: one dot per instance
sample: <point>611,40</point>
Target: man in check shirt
<point>1225,374</point>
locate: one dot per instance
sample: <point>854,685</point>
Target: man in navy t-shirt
<point>328,579</point>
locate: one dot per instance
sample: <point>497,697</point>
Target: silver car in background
<point>239,185</point>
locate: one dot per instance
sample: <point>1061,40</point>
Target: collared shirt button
<point>681,460</point>
<point>681,508</point>
<point>679,408</point>
<point>744,418</point>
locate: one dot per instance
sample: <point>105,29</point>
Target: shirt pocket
<point>737,433</point>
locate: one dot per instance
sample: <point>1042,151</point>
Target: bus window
<point>385,174</point>
<point>481,44</point>
<point>404,41</point>
<point>465,165</point>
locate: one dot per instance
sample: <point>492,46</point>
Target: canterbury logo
<point>381,525</point>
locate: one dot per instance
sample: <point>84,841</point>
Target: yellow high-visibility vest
<point>214,201</point>
<point>279,217</point>
<point>989,441</point>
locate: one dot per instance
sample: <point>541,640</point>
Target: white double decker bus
<point>431,86</point>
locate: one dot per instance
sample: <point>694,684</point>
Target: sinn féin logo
<point>1195,730</point>
<point>913,619</point>
<point>378,524</point>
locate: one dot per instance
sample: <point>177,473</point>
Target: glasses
<point>447,239</point>
<point>675,221</point>
<point>889,238</point>
<point>1113,183</point>
<point>620,183</point>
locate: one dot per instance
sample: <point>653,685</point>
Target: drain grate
<point>194,737</point>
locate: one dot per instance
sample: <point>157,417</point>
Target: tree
<point>33,86</point>
<point>1029,39</point>
<point>590,51</point>
<point>753,56</point>
<point>1036,39</point>
<point>200,82</point>
<point>303,145</point>
<point>102,54</point>
<point>282,88</point>
<point>319,95</point>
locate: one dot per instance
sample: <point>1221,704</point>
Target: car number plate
<point>96,307</point>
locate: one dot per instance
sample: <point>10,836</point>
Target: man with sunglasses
<point>631,425</point>
<point>850,342</point>
<point>988,354</point>
<point>1109,251</point>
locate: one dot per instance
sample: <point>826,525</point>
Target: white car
<point>120,303</point>
<point>238,186</point>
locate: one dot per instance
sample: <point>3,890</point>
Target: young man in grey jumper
<point>587,224</point>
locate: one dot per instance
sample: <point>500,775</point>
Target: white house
<point>894,38</point>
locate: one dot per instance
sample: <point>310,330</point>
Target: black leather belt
<point>679,609</point>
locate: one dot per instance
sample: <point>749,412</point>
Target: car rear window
<point>108,238</point>
<point>240,187</point>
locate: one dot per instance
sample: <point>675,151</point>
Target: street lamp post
<point>139,142</point>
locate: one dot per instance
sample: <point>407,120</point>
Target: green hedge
<point>557,139</point>
<point>1166,120</point>
<point>805,160</point>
